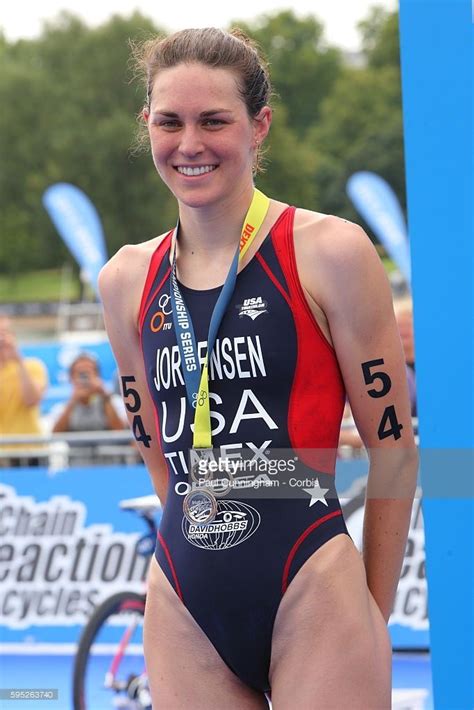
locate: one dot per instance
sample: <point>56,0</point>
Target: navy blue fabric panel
<point>231,572</point>
<point>249,352</point>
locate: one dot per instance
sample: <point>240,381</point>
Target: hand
<point>8,347</point>
<point>97,387</point>
<point>81,392</point>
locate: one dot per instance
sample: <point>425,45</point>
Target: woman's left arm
<point>354,292</point>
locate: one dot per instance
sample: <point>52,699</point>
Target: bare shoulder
<point>329,235</point>
<point>331,251</point>
<point>123,276</point>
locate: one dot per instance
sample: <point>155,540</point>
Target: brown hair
<point>215,48</point>
<point>85,356</point>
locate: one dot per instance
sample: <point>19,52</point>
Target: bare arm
<point>120,284</point>
<point>33,381</point>
<point>62,422</point>
<point>355,295</point>
<point>114,420</point>
<point>32,390</point>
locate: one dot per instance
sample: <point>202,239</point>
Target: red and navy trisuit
<point>274,383</point>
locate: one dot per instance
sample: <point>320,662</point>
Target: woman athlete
<point>238,335</point>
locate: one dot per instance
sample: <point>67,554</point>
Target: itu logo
<point>252,307</point>
<point>158,319</point>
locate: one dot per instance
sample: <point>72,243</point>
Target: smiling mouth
<point>193,171</point>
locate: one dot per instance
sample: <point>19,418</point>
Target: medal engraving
<point>200,507</point>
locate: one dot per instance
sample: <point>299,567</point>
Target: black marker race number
<point>131,392</point>
<point>370,377</point>
<point>138,429</point>
<point>389,424</point>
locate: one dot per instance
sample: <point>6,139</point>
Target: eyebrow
<point>203,114</point>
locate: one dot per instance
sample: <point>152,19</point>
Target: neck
<point>214,227</point>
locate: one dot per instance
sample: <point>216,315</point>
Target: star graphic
<point>316,493</point>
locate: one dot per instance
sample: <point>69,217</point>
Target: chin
<point>197,198</point>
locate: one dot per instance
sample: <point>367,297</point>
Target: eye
<point>169,124</point>
<point>213,122</point>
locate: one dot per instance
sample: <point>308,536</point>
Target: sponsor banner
<point>65,546</point>
<point>379,206</point>
<point>79,226</point>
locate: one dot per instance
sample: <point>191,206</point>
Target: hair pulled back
<point>212,47</point>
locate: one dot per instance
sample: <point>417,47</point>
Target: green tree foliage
<point>360,129</point>
<point>69,112</point>
<point>381,38</point>
<point>70,115</point>
<point>303,68</point>
<point>361,123</point>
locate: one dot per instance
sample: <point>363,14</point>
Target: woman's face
<point>202,138</point>
<point>83,372</point>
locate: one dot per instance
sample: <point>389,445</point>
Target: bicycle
<point>108,667</point>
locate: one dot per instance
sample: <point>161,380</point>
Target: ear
<point>145,114</point>
<point>262,123</point>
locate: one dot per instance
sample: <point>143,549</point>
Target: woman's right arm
<point>120,283</point>
<point>62,423</point>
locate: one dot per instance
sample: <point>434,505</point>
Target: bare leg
<point>331,648</point>
<point>184,669</point>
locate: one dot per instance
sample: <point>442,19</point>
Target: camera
<point>83,377</point>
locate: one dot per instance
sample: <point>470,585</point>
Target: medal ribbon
<point>197,380</point>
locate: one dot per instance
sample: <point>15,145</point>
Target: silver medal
<point>200,507</point>
<point>199,469</point>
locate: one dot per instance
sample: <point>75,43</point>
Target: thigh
<point>331,648</point>
<point>184,669</point>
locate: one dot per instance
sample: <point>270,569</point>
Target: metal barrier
<point>94,447</point>
<point>58,451</point>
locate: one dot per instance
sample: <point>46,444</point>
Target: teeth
<point>195,171</point>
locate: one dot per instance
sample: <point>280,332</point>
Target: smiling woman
<point>248,67</point>
<point>238,335</point>
<point>197,153</point>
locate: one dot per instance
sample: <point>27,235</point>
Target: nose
<point>190,141</point>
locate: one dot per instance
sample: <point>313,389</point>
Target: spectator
<point>91,407</point>
<point>23,382</point>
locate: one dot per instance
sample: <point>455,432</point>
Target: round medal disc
<point>200,507</point>
<point>225,488</point>
<point>199,472</point>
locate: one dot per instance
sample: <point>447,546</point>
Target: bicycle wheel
<point>110,654</point>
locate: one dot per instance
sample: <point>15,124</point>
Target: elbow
<point>410,462</point>
<point>409,469</point>
<point>394,472</point>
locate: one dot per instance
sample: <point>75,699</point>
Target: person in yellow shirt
<point>23,382</point>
